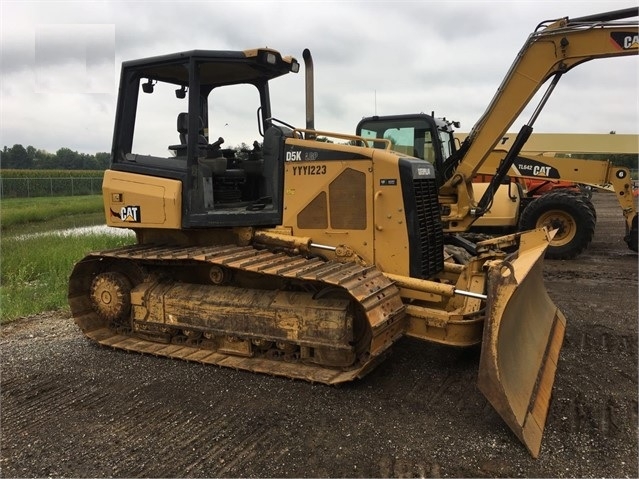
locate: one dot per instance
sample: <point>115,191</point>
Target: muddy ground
<point>71,408</point>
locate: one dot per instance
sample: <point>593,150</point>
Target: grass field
<point>26,215</point>
<point>35,268</point>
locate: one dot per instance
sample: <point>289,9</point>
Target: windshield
<point>408,140</point>
<point>447,141</point>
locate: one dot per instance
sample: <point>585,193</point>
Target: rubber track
<point>377,295</point>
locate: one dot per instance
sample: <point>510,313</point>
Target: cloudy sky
<point>61,61</point>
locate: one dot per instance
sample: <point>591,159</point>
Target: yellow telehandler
<point>298,257</point>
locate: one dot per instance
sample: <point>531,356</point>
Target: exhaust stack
<point>310,91</point>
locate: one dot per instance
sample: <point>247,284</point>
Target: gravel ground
<point>70,408</point>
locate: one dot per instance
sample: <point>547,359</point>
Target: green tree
<point>88,162</point>
<point>31,154</point>
<point>629,161</point>
<point>45,160</point>
<point>103,160</point>
<point>4,158</point>
<point>68,159</point>
<point>18,157</point>
<point>15,157</point>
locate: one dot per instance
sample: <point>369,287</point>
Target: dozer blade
<point>523,334</point>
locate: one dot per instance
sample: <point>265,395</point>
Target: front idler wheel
<point>111,296</point>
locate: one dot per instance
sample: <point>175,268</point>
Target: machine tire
<point>632,238</point>
<point>586,198</point>
<point>592,208</point>
<point>571,214</point>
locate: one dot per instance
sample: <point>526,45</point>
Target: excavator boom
<point>552,50</point>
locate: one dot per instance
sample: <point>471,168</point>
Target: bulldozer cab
<point>172,115</point>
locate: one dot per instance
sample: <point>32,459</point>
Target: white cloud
<point>75,58</point>
<point>60,61</point>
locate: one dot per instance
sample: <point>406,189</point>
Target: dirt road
<point>71,408</point>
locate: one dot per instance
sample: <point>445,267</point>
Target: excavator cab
<point>420,135</point>
<point>433,139</point>
<point>175,97</point>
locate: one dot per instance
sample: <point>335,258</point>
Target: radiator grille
<point>428,226</point>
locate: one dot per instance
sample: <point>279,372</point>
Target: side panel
<point>328,196</point>
<point>392,254</point>
<point>140,201</point>
<point>386,209</point>
<point>504,210</point>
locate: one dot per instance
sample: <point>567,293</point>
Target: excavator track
<point>106,287</point>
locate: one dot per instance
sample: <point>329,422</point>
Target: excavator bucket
<point>523,334</point>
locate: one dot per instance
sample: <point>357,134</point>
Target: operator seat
<point>183,130</point>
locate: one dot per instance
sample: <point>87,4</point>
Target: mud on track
<point>72,408</point>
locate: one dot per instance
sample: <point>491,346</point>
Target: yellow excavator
<point>504,205</point>
<point>298,258</point>
<point>521,202</point>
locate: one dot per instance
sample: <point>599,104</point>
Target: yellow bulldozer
<point>297,257</point>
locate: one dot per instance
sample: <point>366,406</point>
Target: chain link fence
<point>54,186</point>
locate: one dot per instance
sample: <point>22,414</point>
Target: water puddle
<point>82,231</point>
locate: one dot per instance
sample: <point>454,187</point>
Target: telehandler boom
<point>553,144</point>
<point>298,258</point>
<point>551,51</point>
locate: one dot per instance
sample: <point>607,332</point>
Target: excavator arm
<point>552,50</point>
